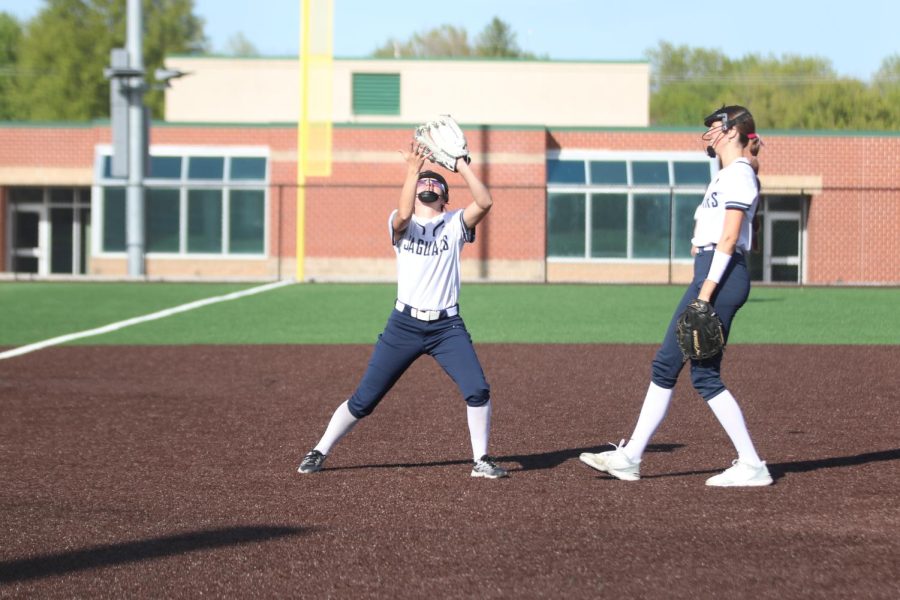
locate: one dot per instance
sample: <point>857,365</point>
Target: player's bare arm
<point>414,158</point>
<point>482,201</point>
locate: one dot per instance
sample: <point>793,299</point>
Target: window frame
<point>629,189</point>
<point>184,184</point>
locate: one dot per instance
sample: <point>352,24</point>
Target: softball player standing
<point>427,240</point>
<point>722,238</point>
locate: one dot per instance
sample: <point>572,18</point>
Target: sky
<point>855,36</point>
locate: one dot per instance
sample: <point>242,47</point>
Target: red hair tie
<point>752,136</point>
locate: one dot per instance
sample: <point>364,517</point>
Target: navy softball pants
<point>730,295</point>
<point>405,339</point>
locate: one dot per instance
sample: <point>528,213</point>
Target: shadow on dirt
<point>50,565</point>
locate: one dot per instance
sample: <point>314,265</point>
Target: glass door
<point>49,230</point>
<point>27,232</point>
<point>778,233</point>
<point>783,257</point>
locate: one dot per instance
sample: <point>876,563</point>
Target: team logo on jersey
<point>711,201</point>
<point>418,242</point>
<point>425,247</point>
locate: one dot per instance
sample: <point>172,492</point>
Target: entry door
<point>779,240</point>
<point>27,235</point>
<point>49,230</point>
<point>69,231</point>
<point>783,256</point>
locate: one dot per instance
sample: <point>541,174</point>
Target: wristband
<point>717,268</point>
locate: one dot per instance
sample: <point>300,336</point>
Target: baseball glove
<point>445,140</point>
<point>699,331</point>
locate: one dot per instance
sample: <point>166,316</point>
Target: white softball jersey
<point>428,260</point>
<point>736,187</point>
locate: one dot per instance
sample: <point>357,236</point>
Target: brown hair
<point>739,118</point>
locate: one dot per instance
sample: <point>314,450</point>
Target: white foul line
<point>151,317</point>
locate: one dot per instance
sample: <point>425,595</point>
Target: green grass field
<point>355,313</point>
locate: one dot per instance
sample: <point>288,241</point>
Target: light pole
<point>129,131</point>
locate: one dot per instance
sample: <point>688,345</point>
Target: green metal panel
<point>376,93</point>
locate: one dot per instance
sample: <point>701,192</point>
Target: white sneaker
<point>742,475</point>
<point>487,468</point>
<point>615,462</point>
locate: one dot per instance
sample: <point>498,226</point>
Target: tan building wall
<point>619,272</point>
<point>500,92</point>
<point>197,268</point>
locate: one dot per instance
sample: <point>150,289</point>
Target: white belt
<point>711,247</point>
<point>426,315</point>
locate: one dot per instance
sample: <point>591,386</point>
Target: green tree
<point>10,38</point>
<point>239,45</point>
<point>790,92</point>
<point>886,83</point>
<point>439,42</point>
<point>498,40</point>
<point>447,41</point>
<point>66,47</point>
<point>170,27</point>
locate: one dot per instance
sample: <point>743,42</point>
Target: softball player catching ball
<point>722,238</point>
<point>427,240</point>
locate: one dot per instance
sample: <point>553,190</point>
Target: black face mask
<point>428,197</point>
<point>711,148</point>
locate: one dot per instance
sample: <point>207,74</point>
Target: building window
<point>247,221</point>
<point>194,204</point>
<point>163,219</point>
<point>165,167</point>
<point>565,224</point>
<point>609,225</point>
<point>623,206</point>
<point>565,171</point>
<point>113,209</point>
<point>248,169</point>
<point>646,172</point>
<point>204,222</point>
<point>376,94</point>
<point>206,167</point>
<point>609,172</point>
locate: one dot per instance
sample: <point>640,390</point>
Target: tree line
<point>51,68</point>
<point>791,92</point>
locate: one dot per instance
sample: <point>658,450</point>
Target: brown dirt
<point>170,471</point>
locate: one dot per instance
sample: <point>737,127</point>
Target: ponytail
<point>754,143</point>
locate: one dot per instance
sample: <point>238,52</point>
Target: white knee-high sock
<point>656,404</point>
<point>479,418</point>
<point>340,425</point>
<point>729,414</point>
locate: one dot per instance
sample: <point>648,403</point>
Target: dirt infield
<point>170,471</point>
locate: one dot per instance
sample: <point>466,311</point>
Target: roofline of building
<point>421,59</point>
<point>511,127</point>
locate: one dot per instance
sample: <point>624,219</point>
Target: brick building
<point>580,195</point>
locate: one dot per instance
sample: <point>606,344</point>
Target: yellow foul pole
<point>314,122</point>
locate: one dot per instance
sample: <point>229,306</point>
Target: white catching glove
<point>445,140</point>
